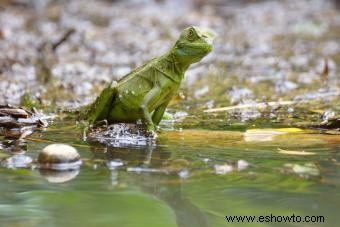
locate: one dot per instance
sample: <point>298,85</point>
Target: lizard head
<point>193,44</point>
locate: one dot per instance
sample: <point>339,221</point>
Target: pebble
<point>242,164</point>
<point>17,161</point>
<point>206,160</point>
<point>202,91</point>
<point>180,115</point>
<point>223,169</point>
<point>59,157</point>
<point>114,164</point>
<point>328,114</point>
<point>238,94</point>
<point>304,170</point>
<point>184,173</point>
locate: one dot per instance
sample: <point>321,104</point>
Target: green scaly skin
<point>145,92</point>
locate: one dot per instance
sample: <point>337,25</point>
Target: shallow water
<point>191,178</point>
<point>266,51</point>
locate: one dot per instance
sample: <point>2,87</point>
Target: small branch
<point>245,106</point>
<point>64,38</point>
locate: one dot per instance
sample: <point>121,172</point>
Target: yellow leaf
<point>290,130</point>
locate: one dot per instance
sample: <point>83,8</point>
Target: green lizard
<point>145,92</point>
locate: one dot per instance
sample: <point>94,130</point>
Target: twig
<point>64,38</point>
<point>245,106</point>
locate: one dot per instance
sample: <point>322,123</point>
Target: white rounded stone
<point>58,154</point>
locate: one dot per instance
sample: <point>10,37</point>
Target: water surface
<point>190,178</point>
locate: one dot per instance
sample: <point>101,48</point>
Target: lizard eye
<point>191,35</point>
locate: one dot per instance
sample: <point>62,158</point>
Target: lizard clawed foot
<point>102,123</point>
<point>150,131</point>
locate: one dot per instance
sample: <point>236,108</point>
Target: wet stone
<point>122,135</point>
<point>328,114</point>
<point>8,122</point>
<point>228,168</point>
<point>285,86</point>
<point>18,113</point>
<point>16,133</point>
<point>331,123</point>
<point>238,94</point>
<point>304,170</point>
<point>242,164</point>
<point>59,157</point>
<point>17,161</point>
<point>17,123</point>
<point>330,120</point>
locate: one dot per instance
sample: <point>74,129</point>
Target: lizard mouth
<point>202,48</point>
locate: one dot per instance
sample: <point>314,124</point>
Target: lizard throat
<point>171,68</point>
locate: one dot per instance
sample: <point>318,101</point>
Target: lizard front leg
<point>159,112</point>
<point>146,115</point>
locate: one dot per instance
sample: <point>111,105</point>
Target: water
<point>190,178</point>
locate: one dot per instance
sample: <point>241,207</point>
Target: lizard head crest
<point>193,44</point>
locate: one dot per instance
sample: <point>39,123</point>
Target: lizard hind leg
<point>100,108</point>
